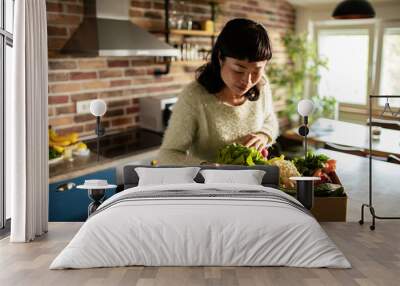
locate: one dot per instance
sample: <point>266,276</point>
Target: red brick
<point>82,75</point>
<point>67,20</point>
<point>64,87</point>
<point>110,73</point>
<point>133,72</point>
<point>94,63</point>
<point>135,91</point>
<point>75,9</point>
<point>122,82</point>
<point>121,121</point>
<point>80,118</point>
<point>96,84</point>
<point>117,103</point>
<point>142,80</point>
<point>56,31</point>
<point>61,65</point>
<point>118,63</point>
<point>153,14</point>
<point>135,13</point>
<point>59,121</point>
<point>132,109</point>
<point>114,113</point>
<point>67,130</point>
<point>56,43</point>
<point>59,76</point>
<point>71,30</point>
<point>111,93</point>
<point>200,10</point>
<point>54,7</point>
<point>92,126</point>
<point>141,4</point>
<point>83,96</point>
<point>158,6</point>
<point>65,109</point>
<point>58,99</point>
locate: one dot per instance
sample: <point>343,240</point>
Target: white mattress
<point>189,231</point>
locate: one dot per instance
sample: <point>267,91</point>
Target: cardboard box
<point>330,208</point>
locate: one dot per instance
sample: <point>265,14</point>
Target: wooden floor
<point>375,257</point>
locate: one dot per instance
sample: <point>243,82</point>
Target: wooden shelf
<point>198,33</point>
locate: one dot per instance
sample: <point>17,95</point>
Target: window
<point>389,83</point>
<point>6,43</point>
<point>363,58</point>
<point>346,78</point>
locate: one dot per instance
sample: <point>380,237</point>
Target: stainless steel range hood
<point>106,30</point>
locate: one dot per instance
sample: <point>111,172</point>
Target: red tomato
<point>317,173</point>
<point>330,166</point>
<point>264,152</point>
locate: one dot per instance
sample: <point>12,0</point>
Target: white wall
<point>305,15</point>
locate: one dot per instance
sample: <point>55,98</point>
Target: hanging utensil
<point>387,107</point>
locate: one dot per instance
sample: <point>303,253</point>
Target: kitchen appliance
<point>155,112</point>
<point>107,30</point>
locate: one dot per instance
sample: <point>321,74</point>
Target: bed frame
<point>270,179</point>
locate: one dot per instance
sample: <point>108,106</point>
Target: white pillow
<point>163,176</point>
<point>249,177</point>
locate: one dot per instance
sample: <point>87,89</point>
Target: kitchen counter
<point>115,150</point>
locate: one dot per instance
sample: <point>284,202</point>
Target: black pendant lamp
<point>353,9</point>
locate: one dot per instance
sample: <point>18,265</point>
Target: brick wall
<point>122,81</point>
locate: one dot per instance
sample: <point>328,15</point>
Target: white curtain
<point>26,124</point>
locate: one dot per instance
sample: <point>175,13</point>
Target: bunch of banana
<point>60,142</point>
<point>58,148</point>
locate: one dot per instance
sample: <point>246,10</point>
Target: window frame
<point>379,51</point>
<point>370,26</point>
<point>6,39</point>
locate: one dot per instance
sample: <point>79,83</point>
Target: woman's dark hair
<point>242,39</point>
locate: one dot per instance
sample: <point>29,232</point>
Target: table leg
<point>305,193</point>
<point>97,197</point>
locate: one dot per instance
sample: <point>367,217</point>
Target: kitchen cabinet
<point>72,204</point>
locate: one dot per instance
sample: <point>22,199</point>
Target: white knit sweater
<point>201,124</point>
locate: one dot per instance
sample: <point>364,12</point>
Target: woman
<point>230,101</point>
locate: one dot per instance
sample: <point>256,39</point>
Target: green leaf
<point>249,161</point>
<point>239,160</point>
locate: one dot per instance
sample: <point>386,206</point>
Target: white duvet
<point>192,231</point>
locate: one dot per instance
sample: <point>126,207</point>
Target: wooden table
<point>353,173</point>
<point>351,135</point>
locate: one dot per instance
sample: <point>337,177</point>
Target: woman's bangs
<point>253,46</point>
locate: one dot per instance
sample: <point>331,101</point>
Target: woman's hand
<point>256,140</point>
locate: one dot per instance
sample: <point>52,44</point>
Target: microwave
<point>155,111</point>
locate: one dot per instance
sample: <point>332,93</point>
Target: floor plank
<point>375,257</point>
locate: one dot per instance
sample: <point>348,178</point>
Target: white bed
<point>224,225</point>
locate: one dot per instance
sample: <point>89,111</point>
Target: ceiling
<point>310,3</point>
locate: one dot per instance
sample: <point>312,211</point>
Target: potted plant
<point>302,70</point>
